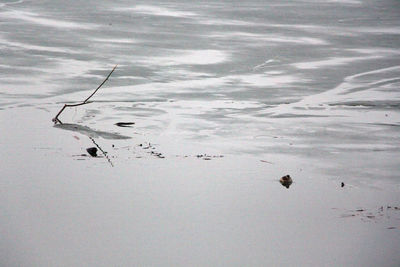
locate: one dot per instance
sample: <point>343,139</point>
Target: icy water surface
<point>315,78</point>
<point>316,82</point>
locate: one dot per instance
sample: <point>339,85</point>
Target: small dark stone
<point>92,151</point>
<point>342,185</point>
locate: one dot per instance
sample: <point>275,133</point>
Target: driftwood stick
<point>84,102</point>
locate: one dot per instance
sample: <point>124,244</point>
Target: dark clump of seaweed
<point>286,181</point>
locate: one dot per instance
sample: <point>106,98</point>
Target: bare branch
<point>100,84</point>
<point>84,102</point>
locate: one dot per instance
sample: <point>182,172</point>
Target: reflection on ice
<point>227,22</point>
<point>270,38</point>
<point>188,57</point>
<point>39,19</point>
<point>265,80</point>
<point>156,11</point>
<point>330,62</point>
<point>378,30</point>
<point>115,41</point>
<point>8,44</point>
<point>378,86</point>
<point>351,2</point>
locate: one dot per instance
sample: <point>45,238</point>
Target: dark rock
<point>342,185</point>
<point>92,151</point>
<point>286,181</point>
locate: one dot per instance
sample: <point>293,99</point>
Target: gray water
<point>313,81</point>
<point>313,78</point>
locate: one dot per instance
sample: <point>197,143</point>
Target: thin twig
<point>84,102</point>
<point>67,106</point>
<point>102,151</point>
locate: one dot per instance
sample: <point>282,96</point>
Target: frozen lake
<point>260,89</point>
